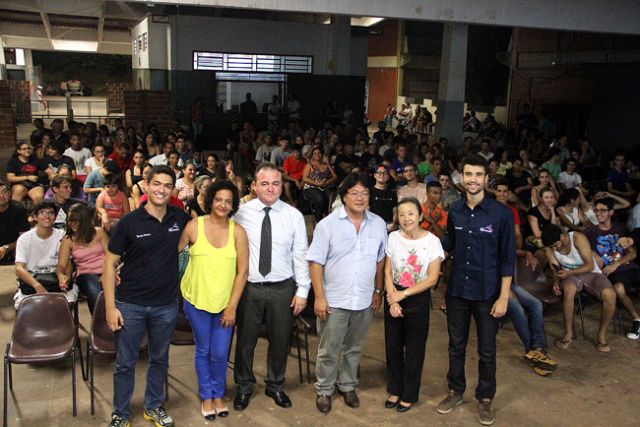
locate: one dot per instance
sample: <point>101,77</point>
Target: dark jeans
<point>531,329</point>
<point>405,339</point>
<point>459,313</point>
<point>158,322</point>
<point>319,201</point>
<point>270,302</point>
<point>90,286</point>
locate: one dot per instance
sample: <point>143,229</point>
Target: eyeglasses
<point>46,213</point>
<point>357,194</point>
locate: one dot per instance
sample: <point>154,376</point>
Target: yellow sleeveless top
<point>208,280</point>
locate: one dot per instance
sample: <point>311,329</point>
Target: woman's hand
<point>228,318</point>
<point>395,310</point>
<point>395,297</point>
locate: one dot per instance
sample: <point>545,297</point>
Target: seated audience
<point>94,184</point>
<point>184,187</point>
<point>572,261</point>
<point>13,222</point>
<point>140,188</point>
<point>97,160</point>
<point>617,263</point>
<point>293,170</point>
<point>449,193</point>
<point>542,215</point>
<point>570,211</point>
<point>62,187</point>
<point>37,257</point>
<point>412,188</point>
<point>383,201</point>
<point>318,178</point>
<point>618,178</point>
<point>22,174</point>
<point>133,175</point>
<point>569,178</point>
<point>196,206</point>
<point>434,216</point>
<point>86,246</point>
<point>112,204</point>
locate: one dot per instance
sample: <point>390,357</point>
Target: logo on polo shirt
<point>174,227</point>
<point>487,228</point>
<point>140,236</point>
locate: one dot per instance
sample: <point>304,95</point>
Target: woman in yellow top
<point>212,286</point>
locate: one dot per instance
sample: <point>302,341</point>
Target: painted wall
<point>257,36</point>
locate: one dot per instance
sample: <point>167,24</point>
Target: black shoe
<point>351,399</point>
<point>390,404</point>
<point>241,401</point>
<point>323,403</point>
<point>402,408</point>
<point>279,397</point>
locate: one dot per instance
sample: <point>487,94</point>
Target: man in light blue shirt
<point>346,261</point>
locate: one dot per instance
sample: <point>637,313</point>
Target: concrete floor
<point>588,388</point>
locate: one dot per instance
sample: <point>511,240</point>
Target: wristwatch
<point>378,291</point>
<point>5,247</point>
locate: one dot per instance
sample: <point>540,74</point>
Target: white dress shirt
<point>289,243</point>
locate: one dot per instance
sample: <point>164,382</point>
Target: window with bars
<point>250,63</point>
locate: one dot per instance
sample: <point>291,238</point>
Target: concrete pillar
<point>339,61</point>
<point>453,68</point>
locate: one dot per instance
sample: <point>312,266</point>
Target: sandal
<point>563,344</point>
<point>603,347</point>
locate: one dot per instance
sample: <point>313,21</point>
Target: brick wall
<point>21,99</point>
<point>115,95</point>
<point>149,106</point>
<point>7,117</point>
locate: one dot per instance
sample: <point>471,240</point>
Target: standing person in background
<point>293,107</point>
<point>277,246</point>
<point>480,232</point>
<point>146,300</point>
<point>346,261</point>
<point>197,117</point>
<point>212,286</point>
<point>412,268</point>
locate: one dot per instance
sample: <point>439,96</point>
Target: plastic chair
<point>43,332</point>
<point>100,341</point>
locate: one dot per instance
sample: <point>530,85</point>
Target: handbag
<point>48,280</point>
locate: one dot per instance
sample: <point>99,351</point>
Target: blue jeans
<point>212,350</point>
<point>89,285</point>
<point>531,330</point>
<point>158,322</point>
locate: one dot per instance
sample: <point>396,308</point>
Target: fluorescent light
<point>20,57</point>
<point>363,21</point>
<point>75,45</point>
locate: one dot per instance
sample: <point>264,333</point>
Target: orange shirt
<point>442,222</point>
<point>294,168</point>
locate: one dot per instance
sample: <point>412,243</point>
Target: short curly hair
<point>213,189</point>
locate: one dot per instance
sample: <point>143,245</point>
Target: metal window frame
<point>252,63</point>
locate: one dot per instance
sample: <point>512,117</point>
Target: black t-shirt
<point>382,202</point>
<point>13,221</point>
<point>18,168</point>
<point>519,181</point>
<point>542,221</point>
<point>193,206</point>
<point>149,250</point>
<point>369,162</point>
<point>63,160</point>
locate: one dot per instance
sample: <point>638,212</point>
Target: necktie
<point>264,265</point>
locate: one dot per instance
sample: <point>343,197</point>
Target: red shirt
<point>516,214</point>
<point>293,167</point>
<point>124,164</point>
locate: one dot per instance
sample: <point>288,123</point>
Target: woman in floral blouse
<point>411,269</point>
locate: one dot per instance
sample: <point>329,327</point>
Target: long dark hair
<point>86,231</point>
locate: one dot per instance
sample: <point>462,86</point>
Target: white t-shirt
<point>410,259</point>
<point>419,192</point>
<point>456,177</point>
<point>634,219</point>
<point>264,153</point>
<point>79,158</point>
<point>39,255</point>
<point>569,181</point>
<point>91,162</point>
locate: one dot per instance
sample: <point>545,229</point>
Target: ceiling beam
<point>101,22</point>
<point>45,21</point>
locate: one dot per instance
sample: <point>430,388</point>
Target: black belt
<point>281,282</point>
